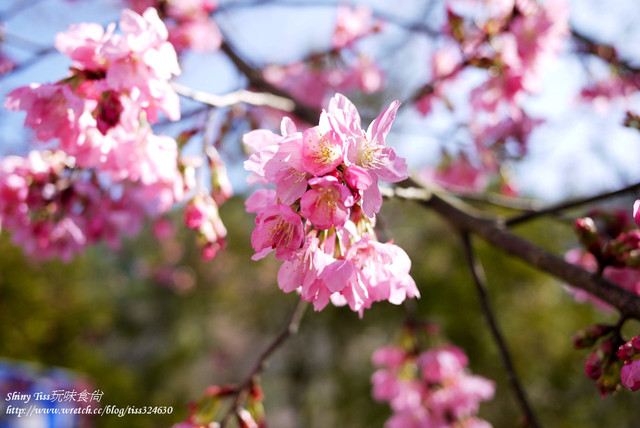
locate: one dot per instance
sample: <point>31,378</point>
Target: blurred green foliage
<point>152,324</point>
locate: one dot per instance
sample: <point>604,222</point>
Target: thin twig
<point>236,97</point>
<point>290,329</point>
<point>554,209</point>
<point>480,282</point>
<point>502,201</point>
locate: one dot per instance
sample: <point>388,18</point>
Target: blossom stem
<point>480,283</point>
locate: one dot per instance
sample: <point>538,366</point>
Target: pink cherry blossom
<point>440,364</point>
<point>313,85</point>
<point>53,111</point>
<point>286,169</point>
<point>315,216</point>
<point>630,375</point>
<point>457,175</point>
<point>55,210</point>
<point>301,271</point>
<point>367,149</point>
<point>201,214</point>
<point>277,227</point>
<point>351,24</point>
<point>260,200</point>
<point>432,389</point>
<point>327,204</point>
<point>322,151</point>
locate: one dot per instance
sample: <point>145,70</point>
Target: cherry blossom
<point>352,22</point>
<point>433,388</point>
<point>99,118</point>
<point>52,209</point>
<point>189,22</point>
<point>321,215</point>
<point>201,214</point>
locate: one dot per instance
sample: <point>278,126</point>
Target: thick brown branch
<point>495,233</point>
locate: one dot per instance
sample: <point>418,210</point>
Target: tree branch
<point>494,232</point>
<point>480,282</point>
<point>303,111</point>
<point>554,209</point>
<point>236,97</point>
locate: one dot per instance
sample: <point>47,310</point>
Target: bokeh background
<point>154,325</point>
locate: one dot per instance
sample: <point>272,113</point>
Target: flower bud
<point>589,335</point>
<point>597,361</point>
<point>588,234</point>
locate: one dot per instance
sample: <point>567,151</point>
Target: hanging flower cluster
<point>54,209</point>
<point>319,219</point>
<point>432,389</point>
<point>189,22</point>
<point>105,149</point>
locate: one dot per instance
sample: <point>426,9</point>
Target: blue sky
<point>579,151</point>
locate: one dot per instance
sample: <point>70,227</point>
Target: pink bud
<point>636,214</point>
<point>626,352</point>
<point>598,359</point>
<point>588,335</point>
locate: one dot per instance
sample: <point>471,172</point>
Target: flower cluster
<point>189,22</point>
<point>100,116</point>
<point>312,82</point>
<point>101,113</point>
<point>609,246</point>
<point>432,389</point>
<point>630,372</point>
<point>319,218</point>
<point>352,23</point>
<point>514,44</point>
<point>55,209</point>
<point>510,43</point>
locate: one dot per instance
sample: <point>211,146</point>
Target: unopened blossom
<point>627,278</point>
<point>201,214</point>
